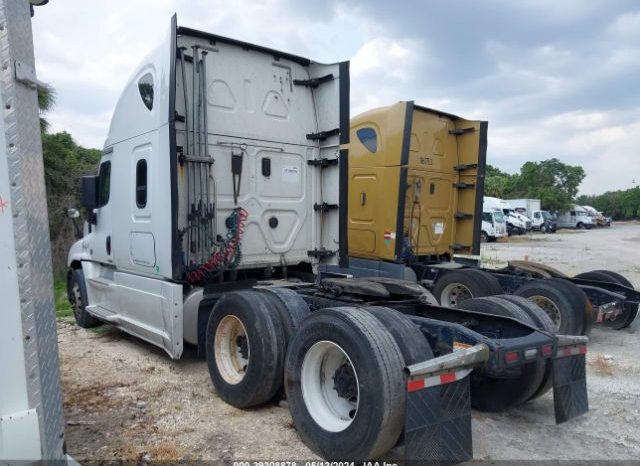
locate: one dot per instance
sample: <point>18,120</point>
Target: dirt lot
<point>124,398</point>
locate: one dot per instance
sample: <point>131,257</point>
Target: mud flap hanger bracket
<point>438,407</point>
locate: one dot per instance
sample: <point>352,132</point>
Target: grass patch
<point>63,308</point>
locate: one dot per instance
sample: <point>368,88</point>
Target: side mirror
<point>89,192</point>
<point>73,213</point>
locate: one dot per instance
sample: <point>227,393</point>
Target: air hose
<point>227,255</point>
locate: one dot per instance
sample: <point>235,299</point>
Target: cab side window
<point>141,184</point>
<point>486,217</point>
<point>145,86</point>
<point>368,138</point>
<point>104,183</point>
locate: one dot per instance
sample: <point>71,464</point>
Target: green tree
<point>64,163</point>
<point>498,183</point>
<point>553,182</point>
<point>46,101</point>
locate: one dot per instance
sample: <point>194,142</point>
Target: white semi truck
<point>517,223</point>
<point>577,217</point>
<point>494,224</point>
<point>220,200</point>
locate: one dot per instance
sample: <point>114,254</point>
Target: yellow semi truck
<point>416,184</point>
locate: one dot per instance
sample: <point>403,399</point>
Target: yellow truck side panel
<point>414,175</point>
<point>373,204</point>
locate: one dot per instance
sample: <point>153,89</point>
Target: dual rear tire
<point>341,367</point>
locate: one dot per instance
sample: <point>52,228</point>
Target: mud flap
<point>570,386</point>
<point>438,422</point>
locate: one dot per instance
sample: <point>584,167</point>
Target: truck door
<point>103,229</point>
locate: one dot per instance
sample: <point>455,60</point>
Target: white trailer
<point>31,421</point>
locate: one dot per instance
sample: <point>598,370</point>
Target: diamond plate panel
<point>31,229</point>
<point>438,424</point>
<point>570,397</point>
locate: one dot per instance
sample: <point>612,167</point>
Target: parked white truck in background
<point>529,208</point>
<point>494,224</point>
<point>578,217</point>
<point>516,223</point>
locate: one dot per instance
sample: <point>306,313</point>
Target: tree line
<point>553,182</point>
<point>621,205</point>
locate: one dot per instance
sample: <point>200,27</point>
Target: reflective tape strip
<point>434,380</point>
<point>572,351</point>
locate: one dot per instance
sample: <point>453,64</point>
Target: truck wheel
<point>344,384</point>
<point>291,308</point>
<point>454,287</point>
<point>580,226</point>
<point>245,348</point>
<point>77,295</point>
<point>607,276</point>
<point>411,341</point>
<point>484,237</point>
<point>543,228</point>
<point>551,296</point>
<point>517,385</point>
<point>543,322</point>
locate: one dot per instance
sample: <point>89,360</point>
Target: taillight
<point>511,357</point>
<point>547,350</point>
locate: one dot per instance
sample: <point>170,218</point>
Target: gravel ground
<point>125,399</point>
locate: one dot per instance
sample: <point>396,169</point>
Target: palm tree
<point>46,101</point>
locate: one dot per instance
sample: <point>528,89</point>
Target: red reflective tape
<point>414,385</point>
<point>448,377</point>
<point>583,349</point>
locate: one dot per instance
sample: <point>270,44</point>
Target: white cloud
<point>626,26</point>
<point>565,94</point>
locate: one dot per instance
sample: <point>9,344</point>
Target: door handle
<point>108,245</point>
<point>363,198</point>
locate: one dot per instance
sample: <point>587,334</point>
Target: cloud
<point>554,79</point>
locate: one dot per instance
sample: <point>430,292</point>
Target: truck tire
<point>621,278</point>
<point>522,382</point>
<point>630,312</point>
<point>606,276</point>
<point>484,237</point>
<point>543,322</point>
<point>245,348</point>
<point>411,341</point>
<point>453,287</point>
<point>581,301</point>
<point>291,308</point>
<point>558,302</point>
<point>344,384</point>
<point>77,295</point>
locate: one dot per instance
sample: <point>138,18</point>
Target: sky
<point>554,78</point>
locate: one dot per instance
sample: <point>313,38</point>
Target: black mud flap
<point>570,387</point>
<point>438,423</point>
